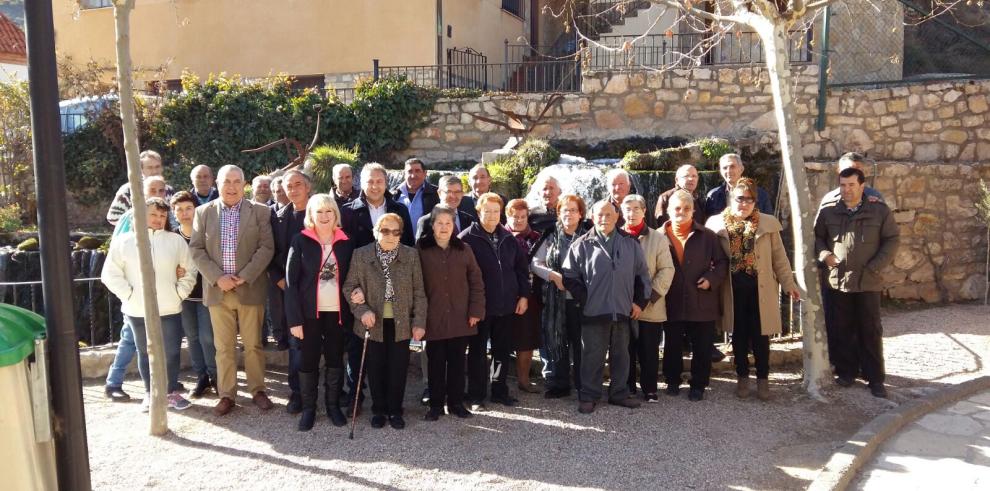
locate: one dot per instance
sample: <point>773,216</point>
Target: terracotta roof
<point>11,38</point>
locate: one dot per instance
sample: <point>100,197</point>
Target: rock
<point>951,96</point>
<point>927,152</point>
<point>903,150</point>
<point>88,243</point>
<point>618,84</point>
<point>897,105</point>
<point>906,259</point>
<point>634,107</point>
<point>608,120</point>
<point>28,245</point>
<point>977,103</point>
<point>954,136</point>
<point>973,287</point>
<point>659,109</point>
<point>858,140</point>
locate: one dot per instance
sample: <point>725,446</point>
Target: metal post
<point>374,70</point>
<point>71,453</point>
<point>505,67</point>
<point>823,71</point>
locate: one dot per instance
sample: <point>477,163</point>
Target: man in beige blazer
<point>232,245</point>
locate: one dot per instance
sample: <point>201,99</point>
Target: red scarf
<point>635,230</point>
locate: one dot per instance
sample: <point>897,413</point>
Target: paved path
<point>947,449</point>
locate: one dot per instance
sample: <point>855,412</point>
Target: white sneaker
<point>146,403</point>
<point>177,402</point>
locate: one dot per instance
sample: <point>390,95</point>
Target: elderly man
<point>619,184</point>
<point>544,217</point>
<point>343,185</point>
<point>480,182</point>
<point>287,222</point>
<point>154,187</point>
<point>261,190</point>
<point>151,165</point>
<point>203,189</point>
<point>278,192</point>
<point>232,247</point>
<point>451,193</point>
<point>687,179</point>
<point>855,239</point>
<point>605,270</point>
<point>358,218</point>
<point>418,195</point>
<point>731,168</point>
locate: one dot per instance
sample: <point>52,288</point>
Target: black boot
<point>334,379</point>
<point>307,390</point>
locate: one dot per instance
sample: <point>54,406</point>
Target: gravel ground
<point>719,443</point>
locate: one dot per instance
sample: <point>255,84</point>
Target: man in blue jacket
<point>731,168</point>
<point>605,270</point>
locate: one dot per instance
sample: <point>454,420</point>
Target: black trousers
<point>645,349</point>
<point>559,373</point>
<point>445,368</point>
<point>322,337</point>
<point>859,335</point>
<point>746,328</point>
<point>701,335</point>
<point>498,329</point>
<point>386,365</point>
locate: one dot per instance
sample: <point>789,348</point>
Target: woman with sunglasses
<point>758,266</point>
<point>392,310</point>
<point>316,266</point>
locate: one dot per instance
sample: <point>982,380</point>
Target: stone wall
<point>924,122</point>
<point>943,248</point>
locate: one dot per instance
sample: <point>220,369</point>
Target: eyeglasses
<point>390,231</point>
<point>744,200</point>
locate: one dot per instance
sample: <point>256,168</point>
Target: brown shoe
<point>262,401</point>
<point>763,389</point>
<point>742,387</point>
<point>223,407</point>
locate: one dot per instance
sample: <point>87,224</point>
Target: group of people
<point>352,276</point>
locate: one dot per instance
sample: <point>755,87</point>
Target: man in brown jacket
<point>232,245</point>
<point>855,239</point>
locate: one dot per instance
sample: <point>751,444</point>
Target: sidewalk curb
<point>859,449</point>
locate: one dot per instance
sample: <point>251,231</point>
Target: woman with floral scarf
<point>758,266</point>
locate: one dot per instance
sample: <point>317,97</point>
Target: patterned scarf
<point>742,241</point>
<point>386,258</point>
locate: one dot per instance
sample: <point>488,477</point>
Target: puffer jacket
<point>606,284</point>
<point>864,242</point>
<point>122,272</point>
<point>504,268</point>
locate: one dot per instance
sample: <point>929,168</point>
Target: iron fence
<point>522,76</point>
<point>97,311</point>
<point>343,94</point>
<point>689,49</point>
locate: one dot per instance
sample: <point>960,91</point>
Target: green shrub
<point>324,158</point>
<point>386,111</point>
<point>508,177</point>
<point>10,218</point>
<point>667,159</point>
<point>713,149</point>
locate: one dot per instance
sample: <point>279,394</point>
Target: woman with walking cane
<point>393,311</point>
<point>316,266</point>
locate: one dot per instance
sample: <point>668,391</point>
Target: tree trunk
<point>152,320</point>
<point>774,35</point>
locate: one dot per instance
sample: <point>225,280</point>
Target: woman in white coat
<point>122,276</point>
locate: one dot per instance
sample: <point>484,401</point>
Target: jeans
<point>125,353</point>
<point>172,337</point>
<point>597,338</point>
<point>199,332</point>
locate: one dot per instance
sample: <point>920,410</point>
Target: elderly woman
<point>315,309</point>
<point>526,327</point>
<point>758,266</point>
<point>561,316</point>
<point>393,311</point>
<point>505,272</point>
<point>660,265</point>
<point>122,276</point>
<point>693,300</point>
<point>456,295</point>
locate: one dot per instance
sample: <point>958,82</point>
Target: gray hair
<point>227,169</point>
<point>599,204</point>
<point>730,156</point>
<point>339,167</point>
<point>150,179</point>
<point>259,178</point>
<point>196,168</point>
<point>682,196</point>
<point>616,172</point>
<point>635,198</point>
<point>150,154</point>
<point>478,167</point>
<point>369,168</point>
<point>292,172</point>
<point>277,183</point>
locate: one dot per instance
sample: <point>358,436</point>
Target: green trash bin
<point>26,447</point>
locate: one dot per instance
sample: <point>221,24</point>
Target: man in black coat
<point>287,222</point>
<point>451,193</point>
<point>418,195</point>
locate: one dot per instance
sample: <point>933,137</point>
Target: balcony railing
<point>662,50</point>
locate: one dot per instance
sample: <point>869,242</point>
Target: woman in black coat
<point>315,309</point>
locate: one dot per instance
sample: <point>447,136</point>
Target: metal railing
<point>689,49</point>
<point>522,76</point>
<point>72,121</point>
<point>344,94</point>
<point>88,294</point>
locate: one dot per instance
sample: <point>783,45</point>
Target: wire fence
<point>896,42</point>
<point>96,310</point>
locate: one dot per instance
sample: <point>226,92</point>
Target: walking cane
<point>357,394</point>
